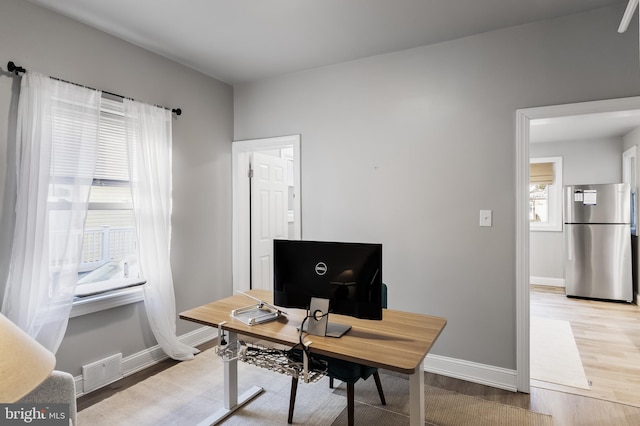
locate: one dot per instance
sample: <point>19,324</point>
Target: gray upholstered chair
<point>58,388</point>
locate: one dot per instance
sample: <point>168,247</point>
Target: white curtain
<point>149,140</point>
<point>56,140</point>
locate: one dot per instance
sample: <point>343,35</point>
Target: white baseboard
<point>153,355</point>
<point>554,282</point>
<point>488,375</point>
<point>483,374</point>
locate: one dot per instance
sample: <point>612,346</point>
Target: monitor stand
<point>336,330</point>
<point>318,324</point>
<point>333,329</point>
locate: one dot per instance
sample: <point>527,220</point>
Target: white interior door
<point>269,214</point>
<point>242,154</point>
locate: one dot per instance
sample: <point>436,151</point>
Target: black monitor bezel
<point>370,309</point>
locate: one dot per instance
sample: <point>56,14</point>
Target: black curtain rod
<point>16,69</point>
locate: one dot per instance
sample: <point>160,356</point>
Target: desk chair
<point>347,372</point>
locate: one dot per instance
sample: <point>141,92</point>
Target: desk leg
<point>416,397</point>
<point>231,378</point>
<point>232,401</point>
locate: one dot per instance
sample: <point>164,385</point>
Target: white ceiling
<point>584,127</point>
<point>243,40</point>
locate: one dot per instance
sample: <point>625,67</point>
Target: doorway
<point>524,119</point>
<point>266,192</point>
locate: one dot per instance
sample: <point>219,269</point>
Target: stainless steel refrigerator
<point>597,236</point>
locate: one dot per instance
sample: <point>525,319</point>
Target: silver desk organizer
<point>255,314</point>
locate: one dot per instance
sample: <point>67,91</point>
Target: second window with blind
<point>545,194</point>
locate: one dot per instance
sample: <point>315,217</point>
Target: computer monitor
<point>349,275</point>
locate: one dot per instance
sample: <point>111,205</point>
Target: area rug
<point>554,354</point>
<point>442,407</point>
<point>190,391</point>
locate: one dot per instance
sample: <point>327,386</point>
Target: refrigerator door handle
<point>569,242</point>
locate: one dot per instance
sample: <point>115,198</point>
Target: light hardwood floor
<point>608,338</point>
<point>607,335</point>
<point>594,324</point>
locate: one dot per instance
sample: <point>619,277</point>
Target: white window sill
<point>100,302</point>
<point>101,287</point>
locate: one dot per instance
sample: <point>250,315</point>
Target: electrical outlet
<point>485,218</point>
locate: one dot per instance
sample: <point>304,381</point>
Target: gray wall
<point>49,43</point>
<point>406,148</point>
<point>583,162</point>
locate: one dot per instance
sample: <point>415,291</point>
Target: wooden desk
<point>399,342</point>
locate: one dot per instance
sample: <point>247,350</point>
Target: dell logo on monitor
<point>321,268</point>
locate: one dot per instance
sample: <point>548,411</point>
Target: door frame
<point>241,222</point>
<point>523,119</point>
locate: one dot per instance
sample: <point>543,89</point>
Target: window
<point>539,203</point>
<point>545,194</point>
<point>109,248</point>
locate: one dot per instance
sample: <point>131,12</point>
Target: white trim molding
<point>523,120</point>
<point>548,281</point>
<point>88,305</point>
<point>489,375</point>
<point>522,251</point>
<point>497,377</point>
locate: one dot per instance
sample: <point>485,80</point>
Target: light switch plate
<point>485,217</point>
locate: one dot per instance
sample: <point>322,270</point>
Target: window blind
<point>69,126</point>
<point>112,150</point>
<point>110,201</point>
<point>541,173</point>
